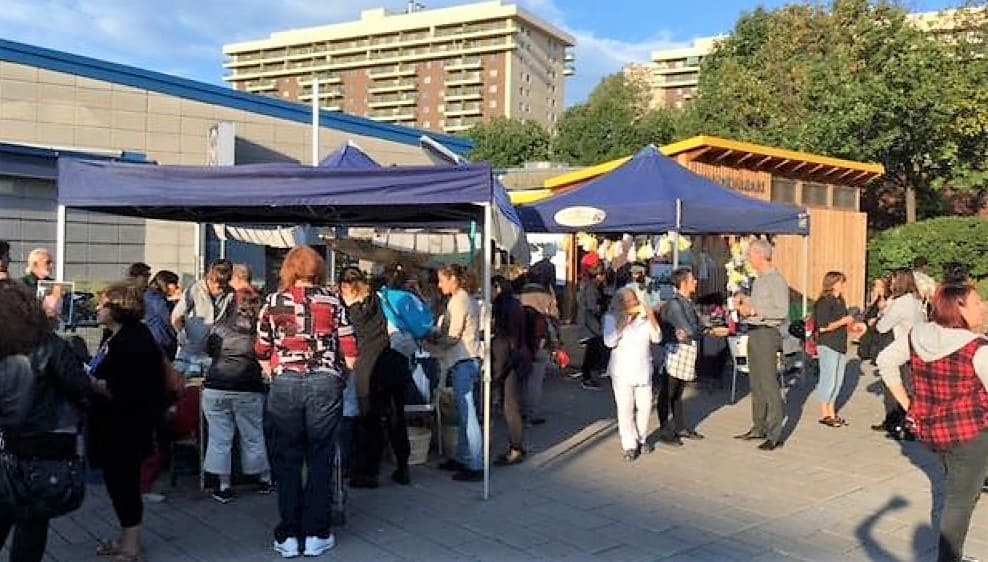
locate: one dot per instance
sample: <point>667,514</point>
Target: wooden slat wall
<point>838,239</point>
<point>838,242</point>
<point>753,184</point>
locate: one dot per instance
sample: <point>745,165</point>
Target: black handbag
<point>40,488</point>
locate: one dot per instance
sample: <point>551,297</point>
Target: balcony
<point>460,125</point>
<point>393,115</point>
<point>464,64</point>
<point>464,79</point>
<point>260,86</point>
<point>463,94</point>
<point>392,101</point>
<point>468,109</point>
<point>324,78</point>
<point>396,86</point>
<point>396,71</point>
<point>305,94</point>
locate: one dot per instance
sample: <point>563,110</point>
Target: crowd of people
<point>307,371</point>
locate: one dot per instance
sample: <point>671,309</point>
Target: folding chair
<point>738,346</point>
<point>428,409</point>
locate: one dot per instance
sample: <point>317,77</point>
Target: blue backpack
<point>407,312</point>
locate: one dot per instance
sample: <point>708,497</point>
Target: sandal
<point>107,548</point>
<point>830,422</point>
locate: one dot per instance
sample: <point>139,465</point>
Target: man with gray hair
<point>765,312</point>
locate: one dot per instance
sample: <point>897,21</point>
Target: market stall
<point>286,194</point>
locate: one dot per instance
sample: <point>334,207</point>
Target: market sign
<point>579,217</point>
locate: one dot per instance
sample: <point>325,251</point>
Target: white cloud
<point>185,37</point>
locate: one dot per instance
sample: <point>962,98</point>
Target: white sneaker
<point>288,548</point>
<point>315,546</point>
<point>152,498</point>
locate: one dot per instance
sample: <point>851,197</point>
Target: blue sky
<point>185,37</point>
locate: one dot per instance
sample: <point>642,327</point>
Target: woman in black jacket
<point>233,396</point>
<point>131,368</point>
<point>381,375</point>
<point>43,393</point>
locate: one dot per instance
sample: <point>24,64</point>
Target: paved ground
<point>829,494</point>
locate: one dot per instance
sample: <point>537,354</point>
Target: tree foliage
<point>615,121</point>
<point>855,80</point>
<point>941,241</point>
<point>507,143</point>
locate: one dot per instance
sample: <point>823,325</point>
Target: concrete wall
<point>47,108</point>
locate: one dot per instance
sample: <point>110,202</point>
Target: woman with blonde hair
<point>630,329</point>
<point>832,320</point>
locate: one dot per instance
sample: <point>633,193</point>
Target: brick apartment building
<point>438,69</point>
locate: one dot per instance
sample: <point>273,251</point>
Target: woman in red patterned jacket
<point>949,405</point>
<point>307,344</point>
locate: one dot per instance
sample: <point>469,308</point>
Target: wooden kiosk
<point>829,187</point>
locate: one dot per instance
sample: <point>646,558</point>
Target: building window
<point>492,89</point>
<point>493,73</point>
<point>493,104</point>
<point>845,198</point>
<point>814,194</point>
<point>441,108</point>
<point>427,80</point>
<point>783,191</point>
<point>425,109</point>
<point>425,124</point>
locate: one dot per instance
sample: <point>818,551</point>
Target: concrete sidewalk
<point>830,494</point>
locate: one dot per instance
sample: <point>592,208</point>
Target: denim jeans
<point>833,364</point>
<point>966,466</point>
<point>469,445</point>
<point>227,412</point>
<point>301,422</point>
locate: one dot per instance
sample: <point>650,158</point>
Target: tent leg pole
<point>60,245</point>
<point>806,273</point>
<point>486,327</point>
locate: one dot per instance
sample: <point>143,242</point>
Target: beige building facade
<point>55,104</point>
<point>437,69</point>
<point>674,73</point>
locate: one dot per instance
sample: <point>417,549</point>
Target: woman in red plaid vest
<point>949,406</point>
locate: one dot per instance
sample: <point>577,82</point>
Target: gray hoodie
<point>931,342</point>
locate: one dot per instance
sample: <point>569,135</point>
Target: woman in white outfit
<point>629,331</point>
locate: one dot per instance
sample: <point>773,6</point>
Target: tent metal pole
<point>60,245</point>
<point>331,253</point>
<point>486,325</point>
<point>806,273</point>
<point>675,235</point>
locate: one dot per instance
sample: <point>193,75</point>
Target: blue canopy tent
<point>349,157</point>
<point>653,193</point>
<point>291,194</point>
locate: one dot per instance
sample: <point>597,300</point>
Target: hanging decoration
<point>663,245</point>
<point>740,275</point>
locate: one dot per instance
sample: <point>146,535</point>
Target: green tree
<point>507,143</point>
<point>855,80</point>
<point>615,121</point>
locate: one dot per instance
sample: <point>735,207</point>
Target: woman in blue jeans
<point>457,343</point>
<point>832,321</point>
<point>306,340</point>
